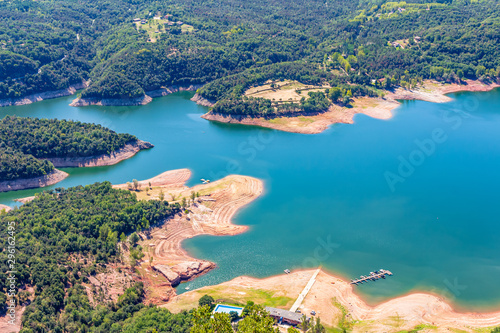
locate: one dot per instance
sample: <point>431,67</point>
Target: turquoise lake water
<point>335,198</point>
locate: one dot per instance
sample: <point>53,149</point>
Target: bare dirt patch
<point>109,285</point>
<point>286,91</point>
<point>210,213</point>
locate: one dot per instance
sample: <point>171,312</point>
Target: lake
<point>417,194</point>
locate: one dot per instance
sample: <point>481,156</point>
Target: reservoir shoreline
<point>38,97</point>
<point>22,184</point>
<point>127,151</point>
<point>205,152</point>
<point>414,308</point>
<point>379,108</point>
<point>143,100</point>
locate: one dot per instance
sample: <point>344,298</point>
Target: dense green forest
<point>52,44</point>
<point>14,165</point>
<point>59,138</point>
<point>65,236</point>
<point>62,237</point>
<point>23,141</point>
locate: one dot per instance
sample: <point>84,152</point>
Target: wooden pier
<point>380,274</point>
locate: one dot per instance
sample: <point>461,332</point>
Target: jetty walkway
<point>380,274</point>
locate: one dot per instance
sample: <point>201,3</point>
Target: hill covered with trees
<point>64,236</point>
<point>16,165</point>
<point>24,142</point>
<point>59,138</point>
<point>49,45</point>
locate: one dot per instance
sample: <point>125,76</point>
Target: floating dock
<point>380,274</point>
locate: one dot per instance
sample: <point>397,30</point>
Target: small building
<point>137,20</point>
<point>397,45</point>
<point>144,22</point>
<point>180,22</point>
<point>222,308</point>
<point>285,316</point>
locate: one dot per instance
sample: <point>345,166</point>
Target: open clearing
<point>283,91</point>
<point>155,27</point>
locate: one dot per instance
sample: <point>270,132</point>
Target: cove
<point>328,198</point>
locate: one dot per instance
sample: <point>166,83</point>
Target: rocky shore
<point>35,182</point>
<point>43,96</point>
<point>121,154</point>
<point>111,101</point>
<point>198,99</point>
<point>147,98</point>
<point>184,271</point>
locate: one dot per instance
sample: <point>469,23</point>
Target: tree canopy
<point>52,45</point>
<point>24,142</point>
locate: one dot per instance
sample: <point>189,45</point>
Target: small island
<point>32,148</point>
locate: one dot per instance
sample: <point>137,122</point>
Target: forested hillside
<point>23,141</point>
<point>16,165</point>
<point>59,138</point>
<point>64,236</point>
<point>48,45</point>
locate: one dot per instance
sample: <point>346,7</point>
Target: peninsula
<point>206,209</point>
<point>332,112</point>
<point>138,229</point>
<point>32,148</point>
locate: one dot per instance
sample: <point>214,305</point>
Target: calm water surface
<point>336,198</point>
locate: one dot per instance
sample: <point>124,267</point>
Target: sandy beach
<point>330,294</point>
<point>379,108</point>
